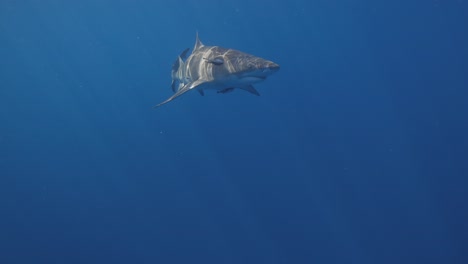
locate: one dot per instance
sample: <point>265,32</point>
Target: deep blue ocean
<point>355,152</point>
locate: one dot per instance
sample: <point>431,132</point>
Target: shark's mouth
<point>252,79</point>
<point>260,77</point>
<point>252,76</point>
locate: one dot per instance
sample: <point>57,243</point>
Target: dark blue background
<point>356,152</point>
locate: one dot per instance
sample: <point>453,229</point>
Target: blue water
<point>355,152</point>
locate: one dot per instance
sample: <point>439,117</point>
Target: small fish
<point>215,61</point>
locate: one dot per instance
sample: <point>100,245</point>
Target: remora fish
<point>217,68</point>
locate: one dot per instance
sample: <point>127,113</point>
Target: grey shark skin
<point>217,68</point>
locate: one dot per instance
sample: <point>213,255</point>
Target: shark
<point>216,68</point>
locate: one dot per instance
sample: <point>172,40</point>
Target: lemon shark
<point>217,68</point>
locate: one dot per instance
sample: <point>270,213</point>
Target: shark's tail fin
<point>177,74</point>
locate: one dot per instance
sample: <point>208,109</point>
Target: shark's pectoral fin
<point>250,89</point>
<point>202,93</point>
<point>181,91</point>
<point>194,84</point>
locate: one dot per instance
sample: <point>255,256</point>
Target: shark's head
<point>232,66</point>
<point>250,68</point>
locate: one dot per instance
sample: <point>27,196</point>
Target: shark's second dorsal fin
<point>198,43</point>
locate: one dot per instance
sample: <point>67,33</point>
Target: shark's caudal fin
<point>177,70</point>
<point>179,61</point>
<point>176,74</point>
<point>183,55</point>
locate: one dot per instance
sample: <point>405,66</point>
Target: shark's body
<point>217,68</point>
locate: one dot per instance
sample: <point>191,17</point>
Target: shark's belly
<point>232,82</point>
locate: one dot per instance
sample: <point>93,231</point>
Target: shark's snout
<point>271,66</point>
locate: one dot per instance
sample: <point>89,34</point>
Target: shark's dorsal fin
<point>198,43</point>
